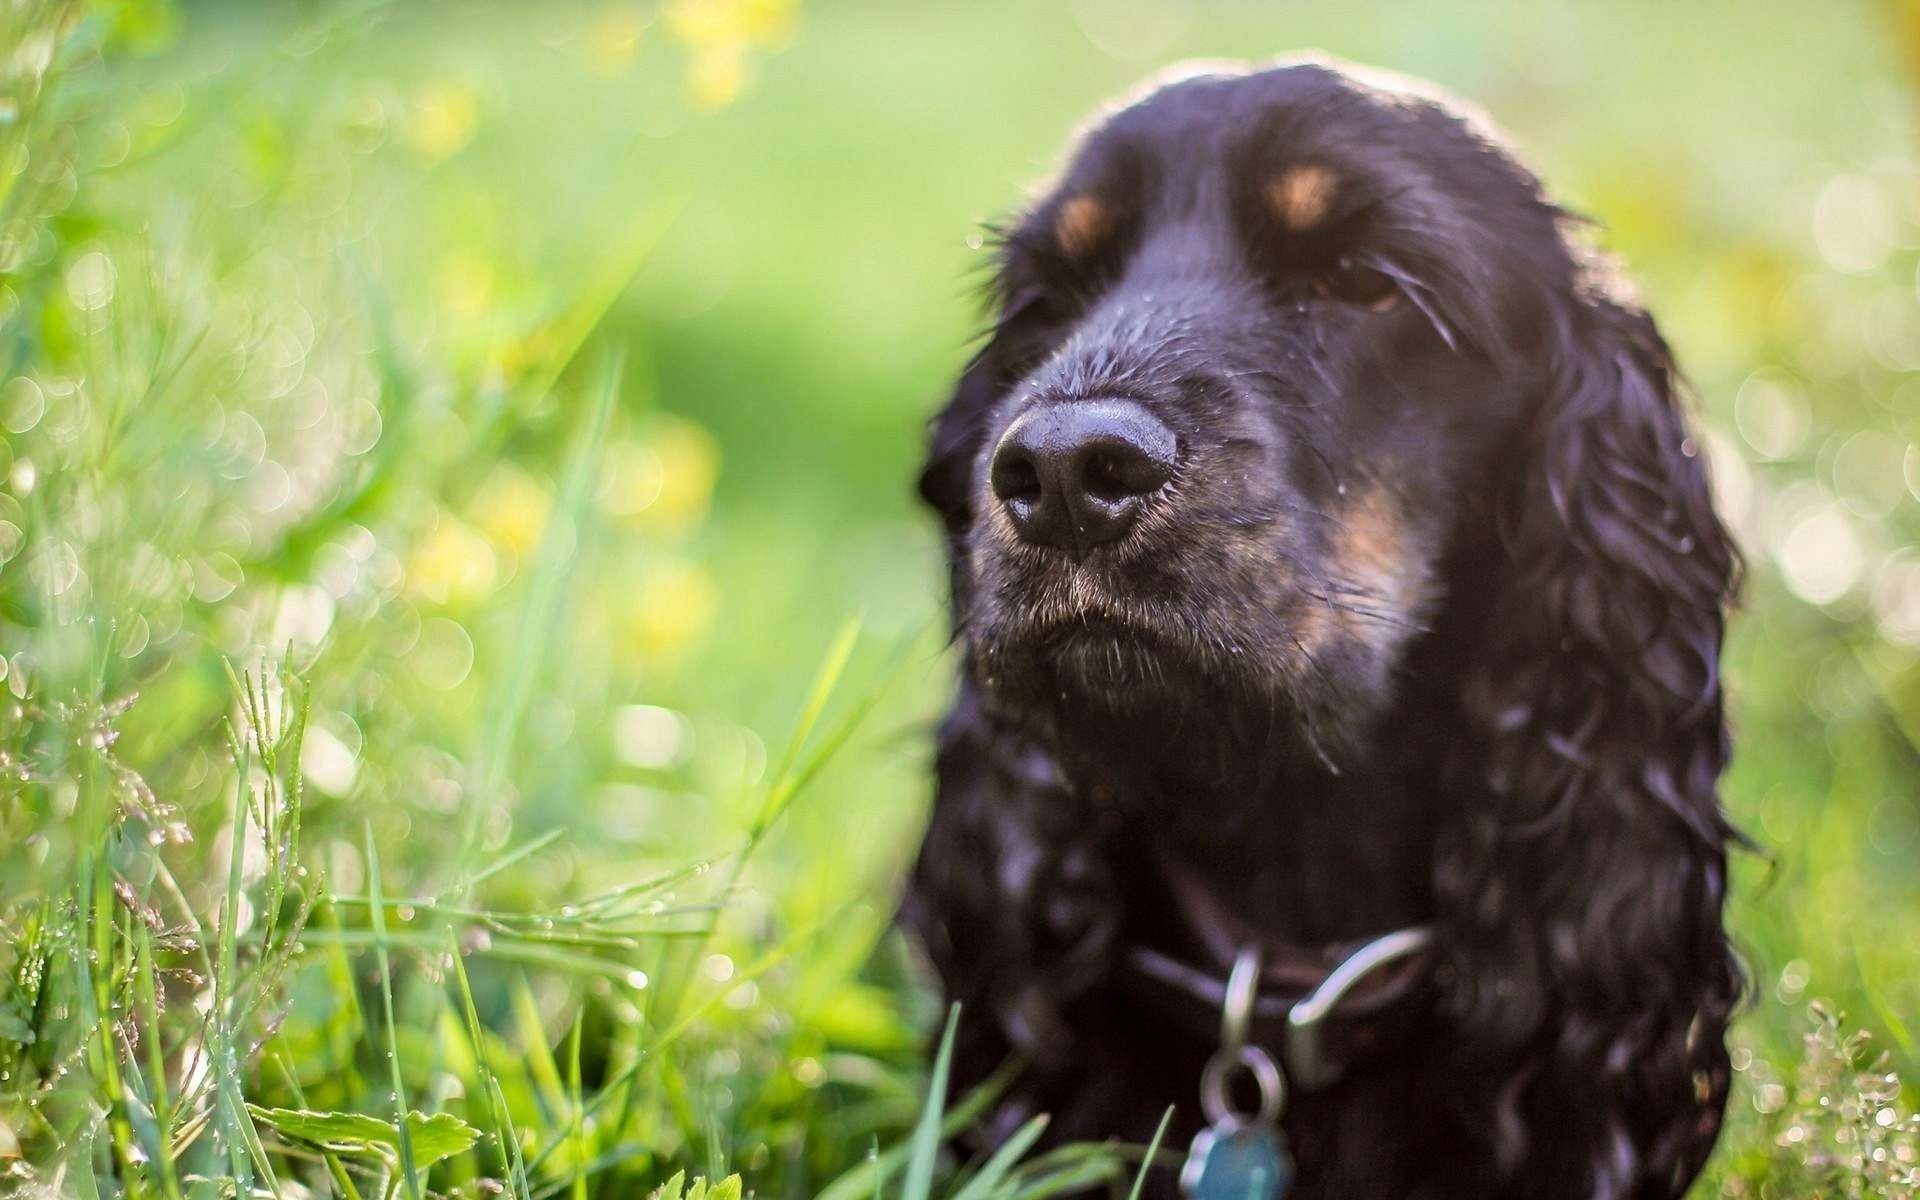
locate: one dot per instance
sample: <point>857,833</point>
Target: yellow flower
<point>451,564</point>
<point>466,283</point>
<point>672,610</point>
<point>512,509</point>
<point>704,22</point>
<point>718,73</point>
<point>532,349</point>
<point>630,479</point>
<point>443,118</point>
<point>770,22</point>
<point>731,22</point>
<point>614,38</point>
<point>689,462</point>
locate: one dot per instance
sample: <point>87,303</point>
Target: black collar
<point>1320,1010</point>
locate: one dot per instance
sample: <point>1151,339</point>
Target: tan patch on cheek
<point>1303,195</point>
<point>1375,590</point>
<point>1313,625</point>
<point>1368,550</point>
<point>1082,224</point>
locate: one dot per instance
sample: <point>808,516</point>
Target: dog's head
<point>1261,357</point>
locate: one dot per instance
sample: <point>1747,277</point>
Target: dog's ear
<point>1581,901</point>
<point>953,446</point>
<point>1017,904</point>
<point>953,441</point>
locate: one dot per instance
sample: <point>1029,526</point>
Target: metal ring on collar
<point>1243,988</point>
<point>1217,1102</point>
<point>1307,1063</point>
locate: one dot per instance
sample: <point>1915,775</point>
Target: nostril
<point>1125,472</point>
<point>1014,476</point>
<point>1106,479</point>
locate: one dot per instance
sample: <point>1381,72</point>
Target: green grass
<point>439,755</point>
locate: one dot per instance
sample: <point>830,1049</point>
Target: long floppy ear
<point>953,439</point>
<point>1013,895</point>
<point>1581,902</point>
<point>1013,899</point>
<point>953,443</point>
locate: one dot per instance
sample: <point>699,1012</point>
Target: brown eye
<point>1356,283</point>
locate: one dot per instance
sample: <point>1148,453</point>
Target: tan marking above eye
<point>1083,222</point>
<point>1303,195</point>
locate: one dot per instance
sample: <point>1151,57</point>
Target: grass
<point>396,572</point>
<point>186,1093</point>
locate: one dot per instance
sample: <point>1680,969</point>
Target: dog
<point>1340,598</point>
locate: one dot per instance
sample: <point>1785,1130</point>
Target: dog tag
<point>1236,1160</point>
<point>1239,1155</point>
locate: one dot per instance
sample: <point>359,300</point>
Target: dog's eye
<point>1356,283</point>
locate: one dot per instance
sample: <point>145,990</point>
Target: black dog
<point>1330,557</point>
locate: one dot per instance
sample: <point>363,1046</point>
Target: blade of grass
<point>597,298</point>
<point>500,864</point>
<point>1010,1152</point>
<point>244,1151</point>
<point>877,1170</point>
<point>517,1160</point>
<point>1153,1152</point>
<point>918,1184</point>
<point>780,792</point>
<point>497,1114</point>
<point>553,562</point>
<point>1067,1180</point>
<point>227,964</point>
<point>386,1007</point>
<point>576,1131</point>
<point>611,1087</point>
<point>540,1063</point>
<point>839,651</point>
<point>147,996</point>
<point>95,970</point>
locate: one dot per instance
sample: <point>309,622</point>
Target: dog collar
<point>1344,1015</point>
<point>1320,1008</point>
<point>1243,1153</point>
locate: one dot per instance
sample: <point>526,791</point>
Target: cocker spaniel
<point>1341,601</point>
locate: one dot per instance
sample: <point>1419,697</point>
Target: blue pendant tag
<point>1239,1155</point>
<point>1237,1161</point>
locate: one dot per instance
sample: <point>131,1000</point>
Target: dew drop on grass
<point>637,980</point>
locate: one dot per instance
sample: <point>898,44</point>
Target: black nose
<point>1076,475</point>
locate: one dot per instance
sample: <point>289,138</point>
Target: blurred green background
<point>535,392</point>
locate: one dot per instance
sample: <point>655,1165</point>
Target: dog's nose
<point>1076,475</point>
